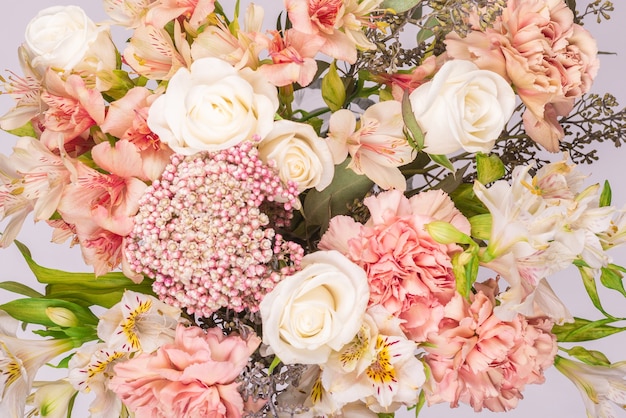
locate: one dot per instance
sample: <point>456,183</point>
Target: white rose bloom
<point>211,106</point>
<point>317,310</point>
<point>65,39</point>
<point>300,155</point>
<point>462,107</point>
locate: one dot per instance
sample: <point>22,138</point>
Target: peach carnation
<point>478,359</point>
<point>409,273</point>
<point>193,377</point>
<point>549,59</point>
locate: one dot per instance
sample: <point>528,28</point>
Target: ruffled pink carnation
<point>193,377</point>
<point>548,58</point>
<point>409,273</point>
<point>480,360</point>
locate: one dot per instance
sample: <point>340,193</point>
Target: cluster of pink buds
<point>202,235</point>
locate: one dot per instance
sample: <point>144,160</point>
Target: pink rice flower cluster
<point>409,273</point>
<point>202,234</point>
<point>195,376</point>
<point>478,359</point>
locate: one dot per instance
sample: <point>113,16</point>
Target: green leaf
<point>120,83</point>
<point>21,289</point>
<point>89,295</point>
<point>33,311</point>
<point>606,195</point>
<point>275,363</point>
<point>481,226</point>
<point>86,280</point>
<point>589,282</point>
<point>489,168</point>
<point>593,357</point>
<point>25,130</point>
<point>585,330</point>
<point>572,5</point>
<point>465,268</point>
<point>442,160</point>
<point>399,6</point>
<point>427,32</point>
<point>415,136</point>
<point>333,90</point>
<point>466,201</point>
<point>452,181</point>
<point>386,415</point>
<point>320,207</point>
<point>611,277</point>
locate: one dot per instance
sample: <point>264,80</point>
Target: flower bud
<point>62,316</point>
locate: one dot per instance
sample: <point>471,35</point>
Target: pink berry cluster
<point>202,236</point>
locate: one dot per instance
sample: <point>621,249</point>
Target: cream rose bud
<point>300,155</point>
<point>317,310</point>
<point>212,106</point>
<point>462,107</point>
<point>65,39</point>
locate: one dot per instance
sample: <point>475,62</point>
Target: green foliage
<point>585,330</point>
<point>347,186</point>
<point>489,168</point>
<point>83,288</point>
<point>333,89</point>
<point>606,195</point>
<point>612,276</point>
<point>399,6</point>
<point>26,130</point>
<point>33,311</point>
<point>20,289</point>
<point>592,357</point>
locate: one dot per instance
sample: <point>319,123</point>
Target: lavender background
<point>557,396</point>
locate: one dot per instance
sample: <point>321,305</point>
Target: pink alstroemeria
<point>293,58</point>
<point>101,209</point>
<point>194,11</point>
<point>340,23</point>
<point>73,108</point>
<point>152,53</point>
<point>127,13</point>
<point>32,179</point>
<point>378,147</point>
<point>127,119</point>
<point>240,49</point>
<point>26,91</point>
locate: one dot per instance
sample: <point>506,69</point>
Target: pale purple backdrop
<point>557,397</point>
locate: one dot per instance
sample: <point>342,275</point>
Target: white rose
<point>65,39</point>
<point>317,310</point>
<point>462,107</point>
<point>211,106</point>
<point>300,155</point>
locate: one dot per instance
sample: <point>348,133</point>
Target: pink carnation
<point>478,359</point>
<point>409,273</point>
<point>193,377</point>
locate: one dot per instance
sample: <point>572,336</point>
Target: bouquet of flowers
<point>344,215</point>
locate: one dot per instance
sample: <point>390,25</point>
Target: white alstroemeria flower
<point>524,298</point>
<point>51,399</point>
<point>20,360</point>
<point>615,234</point>
<point>90,370</point>
<point>138,322</point>
<point>600,386</point>
<point>378,367</point>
